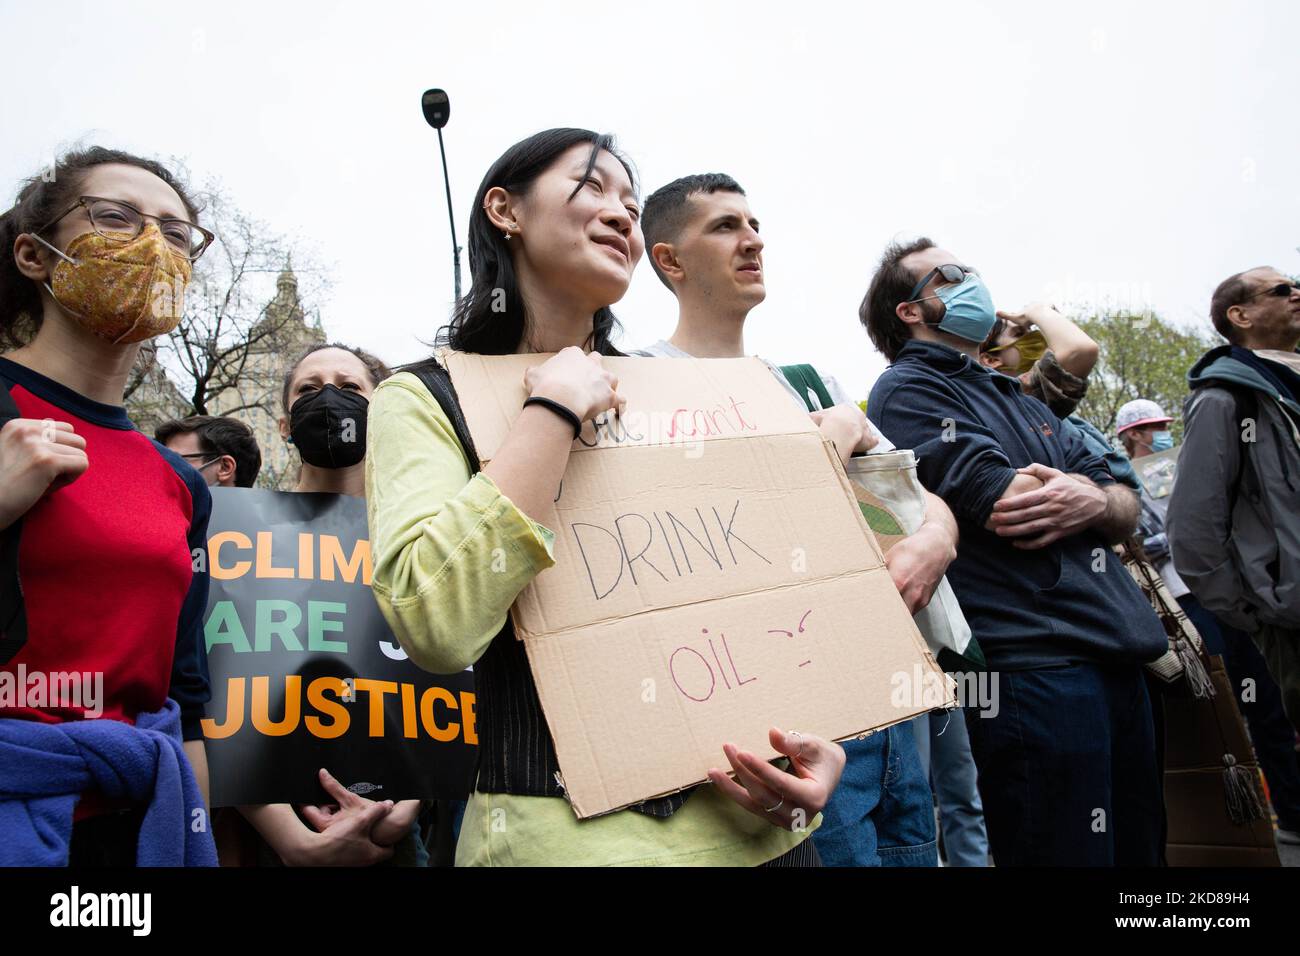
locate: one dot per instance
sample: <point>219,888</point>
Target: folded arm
<point>1052,505</point>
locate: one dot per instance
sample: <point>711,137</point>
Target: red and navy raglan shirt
<point>107,565</point>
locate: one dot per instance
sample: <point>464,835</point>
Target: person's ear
<point>30,257</point>
<point>910,312</point>
<point>1237,316</point>
<point>284,428</point>
<point>665,258</point>
<point>226,468</point>
<point>991,360</point>
<point>501,212</point>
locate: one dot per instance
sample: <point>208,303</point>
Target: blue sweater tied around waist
<point>44,769</point>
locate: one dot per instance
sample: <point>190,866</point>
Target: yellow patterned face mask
<point>1031,347</point>
<point>122,291</point>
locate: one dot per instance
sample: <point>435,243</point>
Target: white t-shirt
<point>665,349</point>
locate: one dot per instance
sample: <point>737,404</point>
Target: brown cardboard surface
<point>641,528</point>
<point>652,716</point>
<point>714,577</point>
<point>670,401</point>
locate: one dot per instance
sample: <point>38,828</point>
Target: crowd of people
<point>1024,503</point>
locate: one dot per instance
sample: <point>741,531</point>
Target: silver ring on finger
<point>778,806</point>
<point>800,736</point>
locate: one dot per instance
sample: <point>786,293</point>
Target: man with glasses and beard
<point>1066,760</point>
<point>222,450</point>
<point>1234,513</point>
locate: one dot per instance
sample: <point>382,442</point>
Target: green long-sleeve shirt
<point>451,553</point>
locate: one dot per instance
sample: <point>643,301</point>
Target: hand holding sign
<point>345,828</point>
<point>847,427</point>
<point>576,380</point>
<point>788,800</point>
<point>387,829</point>
<point>688,577</point>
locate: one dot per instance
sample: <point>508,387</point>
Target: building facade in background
<point>153,398</point>
<point>278,339</point>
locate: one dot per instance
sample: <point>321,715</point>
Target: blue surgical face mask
<point>1162,441</point>
<point>968,309</point>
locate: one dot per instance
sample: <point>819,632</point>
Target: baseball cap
<point>1141,411</point>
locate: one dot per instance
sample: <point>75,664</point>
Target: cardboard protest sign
<point>714,577</point>
<point>1157,471</point>
<point>305,672</point>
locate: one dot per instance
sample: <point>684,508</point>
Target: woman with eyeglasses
<point>102,531</point>
<point>554,238</point>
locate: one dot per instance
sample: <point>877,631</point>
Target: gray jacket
<point>1234,513</point>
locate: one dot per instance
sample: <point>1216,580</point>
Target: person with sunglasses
<point>101,529</point>
<point>1234,513</point>
<point>1066,759</point>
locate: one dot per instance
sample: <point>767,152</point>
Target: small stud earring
<point>507,235</point>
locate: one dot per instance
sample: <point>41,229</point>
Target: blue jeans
<point>944,749</point>
<point>882,813</point>
<point>1271,731</point>
<point>1067,768</point>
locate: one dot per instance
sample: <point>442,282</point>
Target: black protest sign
<point>306,673</point>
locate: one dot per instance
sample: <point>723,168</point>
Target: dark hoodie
<point>971,428</point>
<point>1234,512</point>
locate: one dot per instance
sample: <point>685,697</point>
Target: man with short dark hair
<point>1234,514</point>
<point>703,242</point>
<point>1067,761</point>
<point>222,450</point>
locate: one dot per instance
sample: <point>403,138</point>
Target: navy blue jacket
<point>971,428</point>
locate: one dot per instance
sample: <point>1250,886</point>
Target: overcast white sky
<point>1141,151</point>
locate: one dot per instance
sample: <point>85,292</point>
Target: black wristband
<point>560,410</point>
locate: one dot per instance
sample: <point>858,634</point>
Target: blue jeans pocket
<point>925,854</point>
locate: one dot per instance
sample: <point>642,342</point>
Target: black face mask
<point>328,427</point>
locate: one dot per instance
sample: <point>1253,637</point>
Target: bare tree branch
<point>241,320</point>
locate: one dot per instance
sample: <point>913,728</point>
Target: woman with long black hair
<point>554,238</point>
